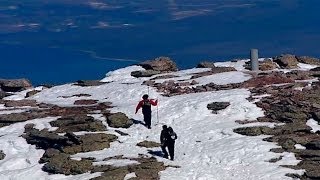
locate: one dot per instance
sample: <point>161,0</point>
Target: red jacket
<point>140,104</point>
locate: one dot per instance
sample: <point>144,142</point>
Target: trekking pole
<point>157,111</point>
<point>148,90</point>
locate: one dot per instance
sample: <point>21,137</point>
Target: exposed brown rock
<point>31,93</point>
<point>85,83</point>
<point>20,103</point>
<point>85,102</point>
<point>2,155</point>
<point>148,144</point>
<point>119,120</point>
<point>286,61</point>
<point>308,60</point>
<point>217,106</point>
<point>163,64</point>
<point>14,85</point>
<point>206,64</point>
<point>267,65</point>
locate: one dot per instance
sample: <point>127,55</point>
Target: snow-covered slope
<point>206,148</point>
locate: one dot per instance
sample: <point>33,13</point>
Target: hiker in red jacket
<point>146,103</point>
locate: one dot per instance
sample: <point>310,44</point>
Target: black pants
<point>170,148</point>
<point>147,119</point>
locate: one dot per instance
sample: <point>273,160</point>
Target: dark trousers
<point>170,148</point>
<point>147,119</point>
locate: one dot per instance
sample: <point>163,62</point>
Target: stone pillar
<point>254,60</point>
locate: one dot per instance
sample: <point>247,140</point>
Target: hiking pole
<point>148,90</point>
<point>157,111</point>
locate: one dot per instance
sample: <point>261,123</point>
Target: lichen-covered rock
<point>76,123</point>
<point>119,120</point>
<point>21,103</point>
<point>148,144</point>
<point>286,61</point>
<point>61,163</point>
<point>160,64</point>
<point>90,142</point>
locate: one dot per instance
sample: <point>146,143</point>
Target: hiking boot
<point>165,156</point>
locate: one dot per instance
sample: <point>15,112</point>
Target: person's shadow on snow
<point>155,153</point>
<point>137,122</point>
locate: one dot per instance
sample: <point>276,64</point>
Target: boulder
<point>146,73</point>
<point>160,64</point>
<point>2,155</point>
<point>206,64</point>
<point>267,65</point>
<point>308,60</point>
<point>315,69</point>
<point>286,61</point>
<point>316,116</point>
<point>2,94</point>
<point>148,144</point>
<point>14,85</point>
<point>216,106</point>
<point>119,120</point>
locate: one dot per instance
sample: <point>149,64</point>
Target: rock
<point>146,73</point>
<point>316,116</point>
<point>85,83</point>
<point>2,94</point>
<point>163,64</point>
<point>267,79</point>
<point>31,93</point>
<point>21,103</point>
<point>7,119</point>
<point>119,120</point>
<point>121,133</point>
<point>85,102</point>
<point>114,174</point>
<point>62,164</point>
<point>45,139</point>
<point>308,60</point>
<point>286,61</point>
<point>76,95</point>
<point>267,65</point>
<point>149,83</point>
<point>253,131</point>
<point>2,155</point>
<point>148,144</point>
<point>89,142</point>
<point>214,70</point>
<point>274,160</point>
<point>76,123</point>
<point>311,168</point>
<point>14,85</point>
<point>216,106</point>
<point>168,76</point>
<point>315,69</point>
<point>314,145</point>
<point>206,64</point>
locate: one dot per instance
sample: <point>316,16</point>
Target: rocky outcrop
<point>119,120</point>
<point>2,155</point>
<point>253,131</point>
<point>31,93</point>
<point>21,103</point>
<point>217,106</point>
<point>308,60</point>
<point>162,64</point>
<point>61,163</point>
<point>85,83</point>
<point>145,73</point>
<point>14,85</point>
<point>148,168</point>
<point>76,123</point>
<point>287,61</point>
<point>2,94</point>
<point>267,79</point>
<point>85,102</point>
<point>148,144</point>
<point>206,64</point>
<point>214,70</point>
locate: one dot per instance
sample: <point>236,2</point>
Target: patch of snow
<point>12,111</point>
<point>299,146</point>
<point>129,176</point>
<point>314,125</point>
<point>224,78</point>
<point>238,65</point>
<point>306,67</point>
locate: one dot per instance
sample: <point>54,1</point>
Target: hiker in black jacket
<point>167,139</point>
